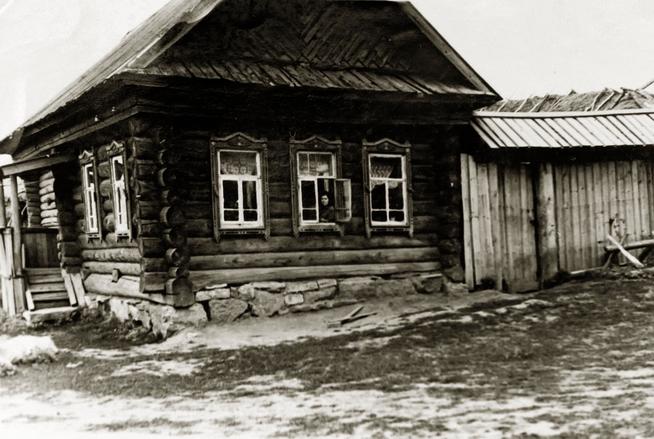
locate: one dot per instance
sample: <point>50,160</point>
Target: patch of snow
<point>24,349</point>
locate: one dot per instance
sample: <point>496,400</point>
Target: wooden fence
<point>523,223</point>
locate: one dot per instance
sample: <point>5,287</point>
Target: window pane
<point>309,215</point>
<point>231,215</point>
<point>303,163</point>
<point>230,195</point>
<point>250,215</point>
<point>379,215</point>
<point>396,195</point>
<point>308,194</point>
<point>89,175</point>
<point>118,169</point>
<point>386,167</point>
<point>396,216</point>
<point>250,195</point>
<point>238,163</point>
<point>321,164</point>
<point>378,196</point>
<point>316,164</point>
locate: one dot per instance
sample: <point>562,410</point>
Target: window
<point>239,181</point>
<point>240,189</point>
<point>121,211</point>
<point>387,189</point>
<point>321,200</point>
<point>387,195</point>
<point>316,176</point>
<point>90,194</point>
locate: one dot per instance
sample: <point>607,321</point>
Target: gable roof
<point>156,47</point>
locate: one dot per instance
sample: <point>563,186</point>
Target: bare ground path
<point>574,361</point>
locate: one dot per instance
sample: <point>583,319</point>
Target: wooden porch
<point>33,284</point>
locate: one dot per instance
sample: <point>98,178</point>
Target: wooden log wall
<point>32,201</point>
<point>240,257</point>
<point>160,220</point>
<point>65,178</point>
<point>101,257</point>
<point>48,204</point>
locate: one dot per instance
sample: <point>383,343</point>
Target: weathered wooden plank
<point>70,290</point>
<point>123,254</point>
<point>102,284</point>
<point>527,218</point>
<point>125,268</point>
<point>480,266</point>
<point>208,246</point>
<point>485,220</point>
<point>546,216</point>
<point>629,207</point>
<point>643,192</point>
<point>496,225</point>
<point>78,285</point>
<point>468,250</point>
<point>50,297</point>
<point>203,278</point>
<point>637,209</point>
<point>314,258</point>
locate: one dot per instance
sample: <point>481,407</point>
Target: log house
<point>226,142</point>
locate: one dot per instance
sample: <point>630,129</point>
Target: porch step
<point>43,271</point>
<point>45,279</point>
<point>49,314</point>
<point>47,287</point>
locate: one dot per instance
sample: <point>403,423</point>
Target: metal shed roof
<point>566,129</point>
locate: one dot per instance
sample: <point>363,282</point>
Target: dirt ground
<point>573,361</point>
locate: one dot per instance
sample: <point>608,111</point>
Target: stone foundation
<point>224,303</point>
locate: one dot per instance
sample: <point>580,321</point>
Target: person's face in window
<point>324,200</point>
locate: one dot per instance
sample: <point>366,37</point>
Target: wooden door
<point>40,247</point>
<point>499,225</point>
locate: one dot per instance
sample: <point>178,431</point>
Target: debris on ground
<point>351,317</point>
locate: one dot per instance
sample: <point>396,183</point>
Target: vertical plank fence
<point>499,232</point>
<point>524,223</point>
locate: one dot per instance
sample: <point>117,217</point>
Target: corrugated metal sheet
<point>566,129</point>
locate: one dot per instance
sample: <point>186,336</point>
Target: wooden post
<point>546,216</point>
<point>17,266</point>
<point>3,208</point>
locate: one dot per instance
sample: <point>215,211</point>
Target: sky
<point>521,47</point>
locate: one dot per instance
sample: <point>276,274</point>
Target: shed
<point>550,178</point>
<point>226,143</point>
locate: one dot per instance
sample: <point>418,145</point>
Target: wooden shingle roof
<point>357,45</point>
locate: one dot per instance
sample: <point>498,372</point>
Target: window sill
<point>237,232</point>
<point>320,228</point>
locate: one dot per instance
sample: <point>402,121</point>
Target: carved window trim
<point>239,142</point>
<point>114,150</point>
<point>387,147</point>
<point>87,159</point>
<point>319,145</point>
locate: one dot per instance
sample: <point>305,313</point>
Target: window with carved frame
<point>239,180</point>
<point>387,188</point>
<point>322,200</point>
<point>120,192</point>
<point>90,195</point>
